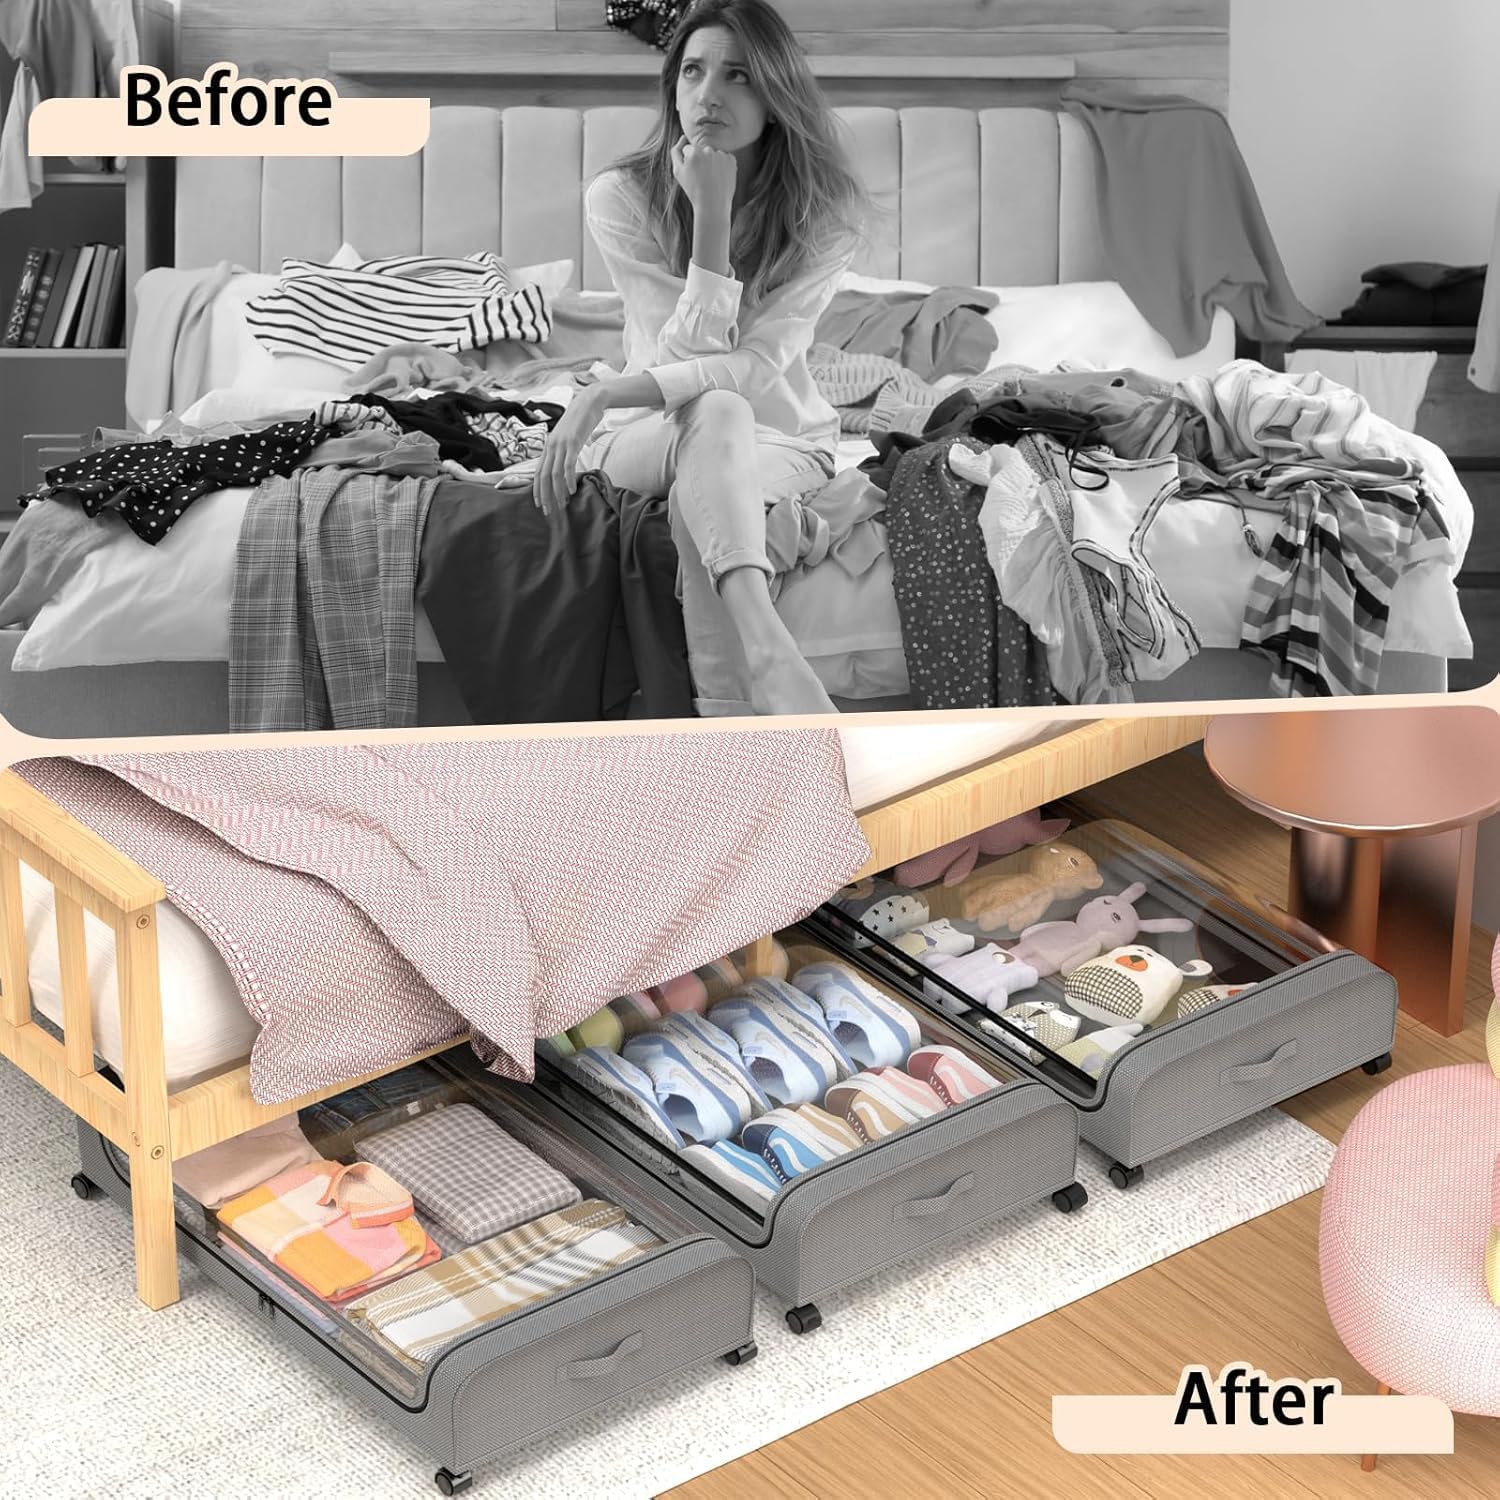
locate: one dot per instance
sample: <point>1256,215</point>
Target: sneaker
<point>788,1069</point>
<point>744,1173</point>
<point>702,1101</point>
<point>952,1075</point>
<point>916,1094</point>
<point>796,1141</point>
<point>873,1107</point>
<point>803,1015</point>
<point>697,1033</point>
<point>872,1028</point>
<point>623,1086</point>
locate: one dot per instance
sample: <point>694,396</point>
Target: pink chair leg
<point>1367,1463</point>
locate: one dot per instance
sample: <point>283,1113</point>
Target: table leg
<point>1335,887</point>
<point>1426,905</point>
<point>1403,903</point>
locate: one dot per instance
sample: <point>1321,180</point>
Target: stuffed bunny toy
<point>1013,902</point>
<point>1129,984</point>
<point>1105,922</point>
<point>955,862</point>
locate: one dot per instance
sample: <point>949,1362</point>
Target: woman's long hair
<point>801,200</point>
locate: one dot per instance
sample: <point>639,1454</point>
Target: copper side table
<point>1384,807</point>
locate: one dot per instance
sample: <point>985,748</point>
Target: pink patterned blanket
<point>371,901</point>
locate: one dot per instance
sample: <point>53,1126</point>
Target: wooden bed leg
<point>1367,1463</point>
<point>760,958</point>
<point>147,1109</point>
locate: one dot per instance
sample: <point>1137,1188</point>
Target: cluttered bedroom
<point>1111,415</point>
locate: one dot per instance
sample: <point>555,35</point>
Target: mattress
<point>205,1026</point>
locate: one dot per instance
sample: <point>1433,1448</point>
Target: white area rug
<point>107,1399</point>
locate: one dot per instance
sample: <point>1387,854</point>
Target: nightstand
<point>1464,422</point>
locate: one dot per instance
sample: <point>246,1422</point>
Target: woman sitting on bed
<point>726,236</point>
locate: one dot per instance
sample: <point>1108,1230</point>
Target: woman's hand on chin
<point>707,176</point>
<point>558,473</point>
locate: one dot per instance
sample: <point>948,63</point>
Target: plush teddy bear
<point>989,975</point>
<point>1013,902</point>
<point>955,861</point>
<point>1103,923</point>
<point>1129,984</point>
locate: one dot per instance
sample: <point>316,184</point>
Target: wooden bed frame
<point>156,1126</point>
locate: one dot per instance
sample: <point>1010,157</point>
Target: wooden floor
<point>980,1424</point>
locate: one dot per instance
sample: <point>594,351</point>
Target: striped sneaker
<point>952,1075</point>
<point>744,1173</point>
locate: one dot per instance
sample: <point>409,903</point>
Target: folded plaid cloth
<point>428,1310</point>
<point>467,1175</point>
<point>332,1228</point>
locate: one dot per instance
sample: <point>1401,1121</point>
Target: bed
<point>137,642</point>
<point>153,1040</point>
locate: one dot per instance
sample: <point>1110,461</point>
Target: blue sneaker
<point>742,1172</point>
<point>696,1033</point>
<point>788,1068</point>
<point>693,1085</point>
<point>623,1086</point>
<point>875,1030</point>
<point>793,1003</point>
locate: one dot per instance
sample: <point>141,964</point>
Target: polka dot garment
<point>964,647</point>
<point>152,483</point>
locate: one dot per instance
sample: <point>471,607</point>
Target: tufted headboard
<point>997,197</point>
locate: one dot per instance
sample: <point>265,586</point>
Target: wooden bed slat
<point>41,1058</point>
<point>13,957</point>
<point>73,964</point>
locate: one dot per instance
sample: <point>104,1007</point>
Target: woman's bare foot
<point>781,682</point>
<point>782,685</point>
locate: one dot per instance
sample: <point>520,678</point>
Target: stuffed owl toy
<point>1129,984</point>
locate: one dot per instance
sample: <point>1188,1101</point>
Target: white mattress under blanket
<point>206,1028</point>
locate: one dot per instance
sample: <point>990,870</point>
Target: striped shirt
<point>350,314</point>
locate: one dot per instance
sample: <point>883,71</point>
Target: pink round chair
<point>1411,1274</point>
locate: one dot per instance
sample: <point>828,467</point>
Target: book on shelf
<point>67,299</point>
<point>20,304</point>
<point>45,281</point>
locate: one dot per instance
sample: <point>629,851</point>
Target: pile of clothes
<point>1020,515</point>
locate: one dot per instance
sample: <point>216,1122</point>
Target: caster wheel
<point>1125,1177</point>
<point>1065,1200</point>
<point>83,1187</point>
<point>453,1484</point>
<point>803,1319</point>
<point>743,1355</point>
<point>1377,1064</point>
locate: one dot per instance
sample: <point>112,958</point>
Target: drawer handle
<point>920,1208</point>
<point>587,1369</point>
<point>1254,1072</point>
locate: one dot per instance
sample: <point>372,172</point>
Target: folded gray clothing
<point>468,1176</point>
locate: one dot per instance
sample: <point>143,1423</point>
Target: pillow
<point>1089,322</point>
<point>129,602</point>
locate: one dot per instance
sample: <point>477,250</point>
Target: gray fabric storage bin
<point>535,1371</point>
<point>1308,1013</point>
<point>864,1211</point>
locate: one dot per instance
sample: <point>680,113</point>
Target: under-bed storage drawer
<point>1107,966</point>
<point>678,1304</point>
<point>888,1198</point>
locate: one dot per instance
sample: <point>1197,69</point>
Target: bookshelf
<point>51,398</point>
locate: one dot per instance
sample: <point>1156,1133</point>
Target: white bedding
<point>205,1026</point>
